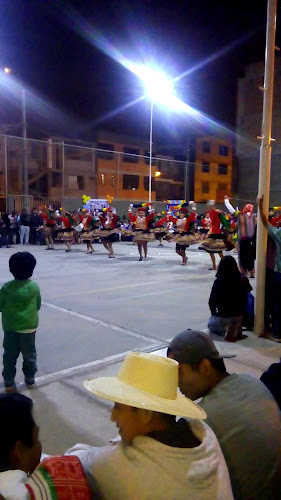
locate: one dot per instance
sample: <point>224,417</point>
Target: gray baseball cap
<point>191,346</point>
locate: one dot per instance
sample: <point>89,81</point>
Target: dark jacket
<point>229,298</point>
<point>24,220</point>
<point>36,220</point>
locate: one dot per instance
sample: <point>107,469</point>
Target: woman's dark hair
<point>22,265</point>
<point>228,269</point>
<point>16,424</point>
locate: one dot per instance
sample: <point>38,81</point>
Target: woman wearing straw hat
<point>157,456</point>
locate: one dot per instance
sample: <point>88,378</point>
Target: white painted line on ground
<point>102,323</point>
<point>154,293</point>
<point>120,287</point>
<point>51,377</point>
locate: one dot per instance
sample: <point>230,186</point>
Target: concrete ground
<point>96,309</point>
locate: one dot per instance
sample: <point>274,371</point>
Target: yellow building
<point>213,169</point>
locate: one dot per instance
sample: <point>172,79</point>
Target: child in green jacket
<point>20,302</point>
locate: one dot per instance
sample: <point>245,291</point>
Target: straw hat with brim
<point>146,381</point>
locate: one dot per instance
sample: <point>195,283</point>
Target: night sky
<point>56,49</point>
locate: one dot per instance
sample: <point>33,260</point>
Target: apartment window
<point>75,182</point>
<point>131,182</point>
<point>222,169</point>
<point>108,153</point>
<point>72,182</point>
<point>146,160</point>
<point>205,167</point>
<point>206,147</point>
<point>146,183</point>
<point>112,181</point>
<point>127,158</point>
<point>223,150</point>
<point>222,187</point>
<point>102,179</point>
<point>205,187</point>
<point>56,179</point>
<point>80,182</point>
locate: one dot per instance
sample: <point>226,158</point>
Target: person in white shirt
<point>158,457</point>
<point>240,410</point>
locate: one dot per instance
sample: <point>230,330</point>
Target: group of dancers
<point>215,230</point>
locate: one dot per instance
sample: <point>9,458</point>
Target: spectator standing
<point>240,410</point>
<point>275,234</point>
<point>14,233</point>
<point>24,220</point>
<point>35,222</point>
<point>5,229</point>
<point>20,302</point>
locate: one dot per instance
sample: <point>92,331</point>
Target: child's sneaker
<point>29,382</point>
<point>11,389</point>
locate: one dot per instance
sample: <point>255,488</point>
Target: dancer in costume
<point>90,231</point>
<point>215,241</point>
<point>206,225</point>
<point>142,233</point>
<point>246,237</point>
<point>168,222</point>
<point>49,217</point>
<point>67,232</point>
<point>109,221</point>
<point>159,230</point>
<point>184,236</point>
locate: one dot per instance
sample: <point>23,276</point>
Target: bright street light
<point>159,89</point>
<point>157,174</point>
<point>7,71</point>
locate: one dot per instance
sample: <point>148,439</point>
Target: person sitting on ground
<point>20,302</point>
<point>240,410</point>
<point>157,457</point>
<point>21,475</point>
<point>228,300</point>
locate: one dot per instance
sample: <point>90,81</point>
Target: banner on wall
<point>96,204</point>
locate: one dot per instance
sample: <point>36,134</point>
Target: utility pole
<point>265,161</point>
<point>186,172</point>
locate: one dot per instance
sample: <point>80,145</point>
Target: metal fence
<point>15,203</point>
<point>58,169</point>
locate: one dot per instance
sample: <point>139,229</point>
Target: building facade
<point>113,165</point>
<point>213,169</point>
<point>249,122</point>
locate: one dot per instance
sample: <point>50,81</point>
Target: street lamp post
<point>8,71</point>
<point>159,90</point>
<point>150,151</point>
<point>24,135</point>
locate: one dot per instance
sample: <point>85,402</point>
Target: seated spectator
<point>240,410</point>
<point>20,449</point>
<point>21,478</point>
<point>59,478</point>
<point>272,379</point>
<point>228,300</point>
<point>157,457</point>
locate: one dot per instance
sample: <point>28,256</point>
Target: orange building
<point>213,169</point>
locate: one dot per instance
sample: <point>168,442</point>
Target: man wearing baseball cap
<point>240,410</point>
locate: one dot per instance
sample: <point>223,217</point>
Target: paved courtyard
<point>96,309</point>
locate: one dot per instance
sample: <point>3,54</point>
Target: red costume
<point>141,222</point>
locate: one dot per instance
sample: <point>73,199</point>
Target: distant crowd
<point>21,228</point>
